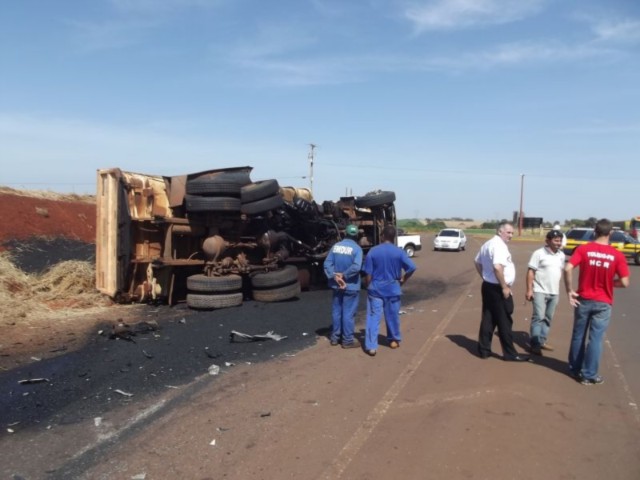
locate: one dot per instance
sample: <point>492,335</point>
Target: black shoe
<point>537,350</point>
<point>518,358</point>
<point>484,356</point>
<point>354,344</point>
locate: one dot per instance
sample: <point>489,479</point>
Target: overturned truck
<point>215,238</point>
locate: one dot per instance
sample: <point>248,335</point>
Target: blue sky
<point>447,103</point>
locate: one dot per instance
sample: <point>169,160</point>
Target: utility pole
<point>311,156</point>
<point>521,199</point>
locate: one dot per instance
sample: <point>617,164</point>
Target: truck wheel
<point>410,249</point>
<point>202,283</point>
<point>277,294</point>
<point>259,190</point>
<point>196,203</point>
<point>213,186</point>
<point>375,199</point>
<point>261,206</point>
<point>277,278</point>
<point>208,302</point>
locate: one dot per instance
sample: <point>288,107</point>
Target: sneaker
<point>354,344</point>
<point>547,347</point>
<point>371,353</point>
<point>394,344</point>
<point>598,380</point>
<point>334,343</point>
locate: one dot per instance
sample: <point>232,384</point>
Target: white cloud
<point>625,31</point>
<point>460,14</point>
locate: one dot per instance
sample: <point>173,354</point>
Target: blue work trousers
<point>343,310</point>
<point>376,307</point>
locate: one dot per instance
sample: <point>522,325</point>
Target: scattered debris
<point>123,393</point>
<point>36,359</point>
<point>183,321</point>
<point>214,369</point>
<point>229,364</point>
<point>59,349</point>
<point>402,312</point>
<point>256,338</point>
<point>213,442</point>
<point>139,476</point>
<point>10,430</point>
<point>146,354</point>
<point>265,414</point>
<point>32,380</point>
<point>171,386</point>
<point>97,421</point>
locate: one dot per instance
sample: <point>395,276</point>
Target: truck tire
<point>213,187</point>
<point>410,249</point>
<point>277,294</point>
<point>240,177</point>
<point>376,199</point>
<point>261,206</point>
<point>259,190</point>
<point>277,278</point>
<point>195,203</point>
<point>209,302</point>
<point>202,283</point>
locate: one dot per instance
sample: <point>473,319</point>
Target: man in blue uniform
<point>387,268</point>
<point>342,268</point>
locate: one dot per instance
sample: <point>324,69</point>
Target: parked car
<point>409,242</point>
<point>450,239</point>
<point>619,239</point>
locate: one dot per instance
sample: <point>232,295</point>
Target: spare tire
<point>261,206</point>
<point>376,199</point>
<point>259,190</point>
<point>202,283</point>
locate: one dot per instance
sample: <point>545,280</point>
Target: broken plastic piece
<point>256,338</point>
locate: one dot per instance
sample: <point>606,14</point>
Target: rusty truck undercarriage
<point>215,238</point>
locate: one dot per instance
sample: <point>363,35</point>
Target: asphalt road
<point>430,409</point>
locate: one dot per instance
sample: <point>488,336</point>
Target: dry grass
<point>66,289</point>
<point>48,195</point>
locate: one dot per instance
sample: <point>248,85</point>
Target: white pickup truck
<point>410,243</point>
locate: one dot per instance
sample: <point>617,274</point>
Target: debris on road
<point>29,381</point>
<point>123,393</point>
<point>214,369</point>
<point>255,338</point>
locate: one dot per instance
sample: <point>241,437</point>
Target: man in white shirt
<point>543,288</point>
<point>494,264</point>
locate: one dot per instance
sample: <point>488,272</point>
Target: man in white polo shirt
<point>543,289</point>
<point>494,264</point>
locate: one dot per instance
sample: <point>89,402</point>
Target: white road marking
<point>358,439</point>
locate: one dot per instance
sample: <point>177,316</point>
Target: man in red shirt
<point>602,268</point>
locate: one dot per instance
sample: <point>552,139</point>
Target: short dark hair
<point>554,234</point>
<point>389,233</point>
<point>603,227</point>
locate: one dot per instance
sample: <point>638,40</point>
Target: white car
<point>450,239</point>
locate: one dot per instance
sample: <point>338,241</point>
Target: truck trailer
<point>215,238</point>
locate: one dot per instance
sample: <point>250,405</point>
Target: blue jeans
<point>544,306</point>
<point>590,322</point>
<point>376,307</point>
<point>343,312</point>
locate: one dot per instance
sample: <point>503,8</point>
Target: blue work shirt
<point>385,263</point>
<point>345,257</point>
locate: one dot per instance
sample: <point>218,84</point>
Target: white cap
<point>556,226</point>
